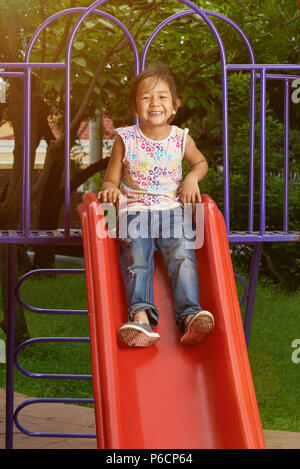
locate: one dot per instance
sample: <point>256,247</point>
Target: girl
<point>145,171</point>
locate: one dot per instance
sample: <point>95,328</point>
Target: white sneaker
<point>197,328</point>
<point>137,334</point>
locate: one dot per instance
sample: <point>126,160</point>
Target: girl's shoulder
<point>126,132</point>
<point>179,131</point>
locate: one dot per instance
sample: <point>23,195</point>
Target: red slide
<point>168,396</point>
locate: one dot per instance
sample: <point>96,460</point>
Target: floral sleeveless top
<point>152,173</point>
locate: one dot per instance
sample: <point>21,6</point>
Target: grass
<point>57,292</point>
<point>276,375</point>
<point>274,328</point>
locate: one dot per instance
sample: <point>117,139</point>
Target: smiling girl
<point>145,168</point>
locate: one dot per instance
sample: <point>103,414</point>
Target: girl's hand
<point>190,192</point>
<point>110,195</point>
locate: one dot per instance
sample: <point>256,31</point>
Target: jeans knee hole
<point>130,272</point>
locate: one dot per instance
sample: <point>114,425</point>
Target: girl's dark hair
<point>159,71</point>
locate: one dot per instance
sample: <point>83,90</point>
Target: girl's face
<point>154,103</point>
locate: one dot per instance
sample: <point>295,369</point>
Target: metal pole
<point>263,152</point>
<point>251,153</point>
<point>10,344</point>
<point>286,155</point>
<point>255,263</point>
<point>27,151</point>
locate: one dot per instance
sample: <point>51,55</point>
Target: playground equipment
<point>203,374</point>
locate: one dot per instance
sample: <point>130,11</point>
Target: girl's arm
<point>190,192</point>
<point>110,191</point>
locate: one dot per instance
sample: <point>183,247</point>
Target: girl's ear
<point>177,104</point>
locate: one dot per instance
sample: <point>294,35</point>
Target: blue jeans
<point>160,230</point>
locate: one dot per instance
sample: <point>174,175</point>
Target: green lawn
<point>275,326</point>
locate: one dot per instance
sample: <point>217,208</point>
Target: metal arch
<point>84,13</point>
<point>192,12</point>
<point>47,340</point>
<point>71,11</point>
<point>34,309</point>
<point>52,401</point>
<point>203,13</point>
<point>225,103</point>
<point>89,10</point>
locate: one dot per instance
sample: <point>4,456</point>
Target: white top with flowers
<point>152,173</point>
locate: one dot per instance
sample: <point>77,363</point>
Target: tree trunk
<point>21,329</point>
<point>10,207</point>
<point>49,207</point>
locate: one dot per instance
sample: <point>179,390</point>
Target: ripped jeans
<point>137,263</point>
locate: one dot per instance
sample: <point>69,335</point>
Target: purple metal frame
<point>24,235</point>
<point>13,355</point>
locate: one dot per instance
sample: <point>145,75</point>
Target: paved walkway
<point>50,418</point>
<point>76,419</point>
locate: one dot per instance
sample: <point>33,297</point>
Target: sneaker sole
<point>198,328</point>
<point>133,336</point>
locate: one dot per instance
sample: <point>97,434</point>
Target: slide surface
<point>168,396</point>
